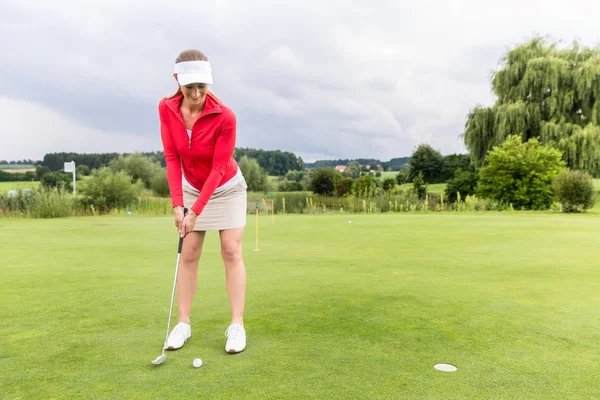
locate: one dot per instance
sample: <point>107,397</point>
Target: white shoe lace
<point>233,330</point>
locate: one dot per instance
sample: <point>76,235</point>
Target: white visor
<point>193,72</point>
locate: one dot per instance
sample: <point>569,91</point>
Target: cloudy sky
<point>360,79</point>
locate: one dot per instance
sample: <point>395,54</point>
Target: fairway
<point>334,309</point>
<point>6,186</point>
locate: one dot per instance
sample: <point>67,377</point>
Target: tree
<point>256,177</point>
<point>366,185</point>
<point>389,184</point>
<point>429,162</point>
<point>353,170</point>
<point>344,186</point>
<point>137,166</point>
<point>59,180</point>
<point>521,174</point>
<point>453,162</point>
<point>323,181</point>
<point>546,93</point>
<point>463,182</point>
<point>274,162</point>
<point>107,189</point>
<point>419,186</point>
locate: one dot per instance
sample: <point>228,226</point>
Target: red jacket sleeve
<point>224,148</point>
<point>172,159</point>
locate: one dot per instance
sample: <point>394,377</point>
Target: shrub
<point>344,186</point>
<point>159,183</point>
<point>137,166</point>
<point>419,186</point>
<point>57,180</point>
<point>574,190</point>
<point>521,174</point>
<point>291,186</point>
<point>389,184</point>
<point>255,176</point>
<point>323,181</point>
<point>463,182</point>
<point>107,190</point>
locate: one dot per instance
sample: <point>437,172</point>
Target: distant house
<point>340,168</point>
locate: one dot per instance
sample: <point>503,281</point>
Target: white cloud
<point>30,130</point>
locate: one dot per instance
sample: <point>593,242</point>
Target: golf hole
<point>445,367</point>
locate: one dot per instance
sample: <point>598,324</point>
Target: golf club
<point>163,356</point>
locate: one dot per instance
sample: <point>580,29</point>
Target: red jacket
<point>206,159</point>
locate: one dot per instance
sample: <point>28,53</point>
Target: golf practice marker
<point>256,248</point>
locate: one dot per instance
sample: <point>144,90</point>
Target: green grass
<point>334,310</point>
<point>389,174</point>
<point>6,186</point>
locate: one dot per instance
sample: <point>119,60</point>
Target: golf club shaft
<point>173,292</point>
<point>174,285</point>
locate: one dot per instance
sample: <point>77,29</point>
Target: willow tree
<point>547,93</point>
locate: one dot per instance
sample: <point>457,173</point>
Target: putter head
<point>159,359</point>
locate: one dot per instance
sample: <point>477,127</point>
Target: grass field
<point>334,310</point>
<point>6,186</point>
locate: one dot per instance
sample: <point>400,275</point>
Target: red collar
<point>211,106</point>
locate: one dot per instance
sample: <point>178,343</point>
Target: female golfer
<point>198,134</point>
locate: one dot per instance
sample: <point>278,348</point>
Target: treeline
<point>274,162</point>
<point>333,163</point>
<point>19,162</point>
<point>395,164</point>
<point>56,161</point>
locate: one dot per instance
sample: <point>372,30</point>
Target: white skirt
<point>226,209</point>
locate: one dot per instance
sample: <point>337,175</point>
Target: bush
<point>389,184</point>
<point>57,180</point>
<point>107,190</point>
<point>521,174</point>
<point>323,181</point>
<point>344,186</point>
<point>463,182</point>
<point>137,166</point>
<point>574,190</point>
<point>255,176</point>
<point>291,186</point>
<point>160,184</point>
<point>366,186</point>
<point>419,186</point>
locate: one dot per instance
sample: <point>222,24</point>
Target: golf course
<point>338,306</point>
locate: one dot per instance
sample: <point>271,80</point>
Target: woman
<point>198,133</point>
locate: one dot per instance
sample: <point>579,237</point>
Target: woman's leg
<point>187,277</point>
<point>235,271</point>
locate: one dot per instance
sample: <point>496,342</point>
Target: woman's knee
<point>231,251</point>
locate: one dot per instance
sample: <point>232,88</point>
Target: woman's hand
<point>179,214</point>
<point>188,224</point>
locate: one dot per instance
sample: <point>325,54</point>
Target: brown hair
<point>192,55</point>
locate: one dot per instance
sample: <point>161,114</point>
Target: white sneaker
<point>178,336</point>
<point>236,338</point>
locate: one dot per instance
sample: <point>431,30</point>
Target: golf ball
<point>197,363</point>
<point>349,222</point>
